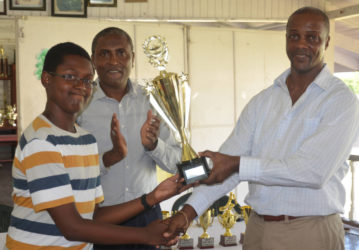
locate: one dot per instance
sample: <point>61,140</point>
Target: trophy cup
<point>206,220</point>
<point>169,95</point>
<point>245,212</point>
<point>11,115</point>
<point>227,220</point>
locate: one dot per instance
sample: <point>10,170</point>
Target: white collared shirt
<point>293,156</point>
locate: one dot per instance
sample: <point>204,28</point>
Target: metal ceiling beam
<point>346,12</point>
<point>346,42</point>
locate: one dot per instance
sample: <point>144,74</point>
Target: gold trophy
<point>227,219</point>
<point>169,95</point>
<point>11,115</point>
<point>2,118</point>
<point>185,241</point>
<point>245,212</point>
<point>206,220</point>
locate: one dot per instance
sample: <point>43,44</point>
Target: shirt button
<point>127,167</point>
<point>126,189</point>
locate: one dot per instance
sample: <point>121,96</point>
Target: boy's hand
<point>168,188</point>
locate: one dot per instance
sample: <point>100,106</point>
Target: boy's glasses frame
<point>72,78</point>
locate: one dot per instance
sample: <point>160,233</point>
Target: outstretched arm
<point>75,228</point>
<point>118,213</point>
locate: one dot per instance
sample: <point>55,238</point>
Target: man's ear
<point>45,79</point>
<point>133,59</point>
<point>327,42</point>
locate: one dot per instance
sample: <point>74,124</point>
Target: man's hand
<point>153,234</point>
<point>223,166</point>
<point>167,188</point>
<point>119,149</point>
<point>179,223</point>
<point>150,131</point>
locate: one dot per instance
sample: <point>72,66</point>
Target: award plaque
<point>227,219</point>
<point>206,220</point>
<point>169,95</point>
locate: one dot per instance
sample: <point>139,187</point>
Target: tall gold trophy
<point>227,220</point>
<point>169,95</point>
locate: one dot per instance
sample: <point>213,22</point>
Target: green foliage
<point>352,81</point>
<point>40,58</point>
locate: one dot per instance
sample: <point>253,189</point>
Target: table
<point>194,231</point>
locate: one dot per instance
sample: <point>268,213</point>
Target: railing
<point>351,215</point>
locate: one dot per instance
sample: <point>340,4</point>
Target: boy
<point>56,170</point>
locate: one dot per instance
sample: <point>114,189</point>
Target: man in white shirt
<point>290,143</point>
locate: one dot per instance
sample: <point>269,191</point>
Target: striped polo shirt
<point>52,167</point>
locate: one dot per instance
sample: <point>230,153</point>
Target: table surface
<point>194,231</point>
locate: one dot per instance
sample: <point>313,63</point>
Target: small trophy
<point>169,95</point>
<point>206,220</point>
<point>11,115</point>
<point>2,118</point>
<point>185,242</point>
<point>227,219</point>
<point>245,212</point>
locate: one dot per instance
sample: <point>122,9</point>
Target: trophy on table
<point>206,220</point>
<point>185,241</point>
<point>227,219</point>
<point>169,94</point>
<point>245,212</point>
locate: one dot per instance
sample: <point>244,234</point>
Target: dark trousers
<point>140,220</point>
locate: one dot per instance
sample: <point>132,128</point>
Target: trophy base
<point>165,248</point>
<point>241,238</point>
<point>227,241</point>
<point>185,244</point>
<point>194,170</point>
<point>205,242</point>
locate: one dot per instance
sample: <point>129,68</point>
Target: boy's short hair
<point>55,56</point>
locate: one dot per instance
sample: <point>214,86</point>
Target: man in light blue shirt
<point>291,144</point>
<point>128,160</point>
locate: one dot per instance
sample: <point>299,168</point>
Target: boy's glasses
<point>89,83</point>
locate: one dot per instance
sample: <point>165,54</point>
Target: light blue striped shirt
<point>136,173</point>
<point>293,156</point>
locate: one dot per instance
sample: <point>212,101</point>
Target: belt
<point>278,218</point>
